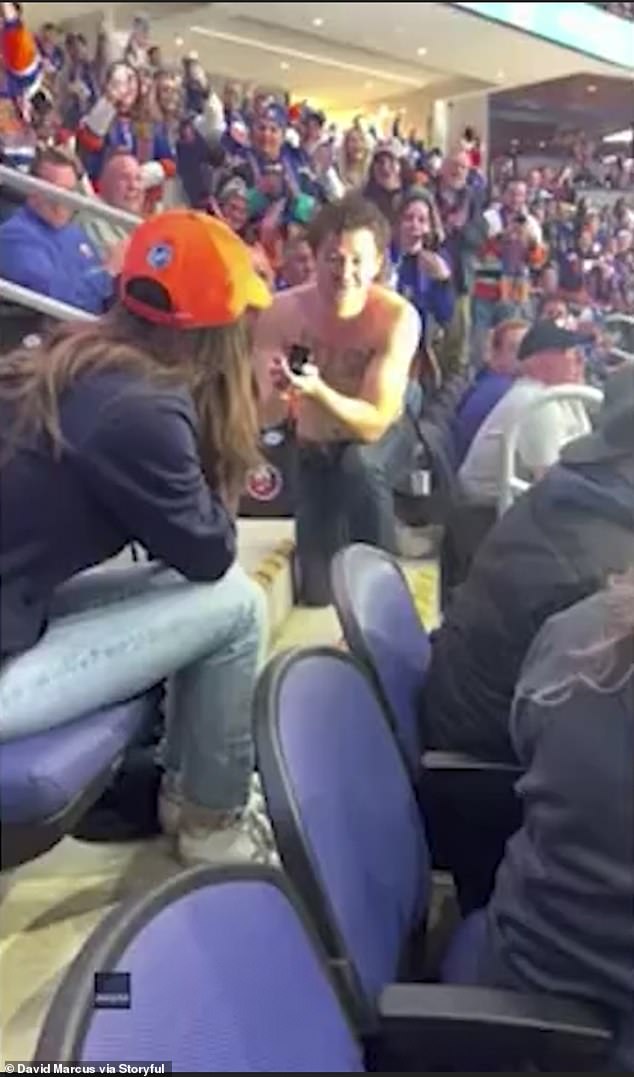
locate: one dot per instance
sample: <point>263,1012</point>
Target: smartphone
<point>298,358</point>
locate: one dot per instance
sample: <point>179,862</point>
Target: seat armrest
<point>460,762</point>
<point>472,1027</point>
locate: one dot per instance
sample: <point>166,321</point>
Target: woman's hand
<point>434,266</point>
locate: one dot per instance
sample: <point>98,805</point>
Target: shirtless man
<point>348,400</point>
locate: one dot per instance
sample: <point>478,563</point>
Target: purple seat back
<point>383,630</point>
<point>346,819</point>
<point>224,977</point>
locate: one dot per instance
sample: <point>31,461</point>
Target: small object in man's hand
<point>298,359</point>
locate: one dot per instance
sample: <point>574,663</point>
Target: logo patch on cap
<point>160,256</point>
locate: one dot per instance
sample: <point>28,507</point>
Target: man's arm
<point>380,401</point>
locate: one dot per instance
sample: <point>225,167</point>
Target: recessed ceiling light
<point>179,42</point>
<point>284,66</point>
<point>318,22</point>
<point>500,75</point>
<point>592,88</point>
<point>369,84</point>
<point>422,51</point>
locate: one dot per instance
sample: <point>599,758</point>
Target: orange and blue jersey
<point>22,60</point>
<point>20,79</point>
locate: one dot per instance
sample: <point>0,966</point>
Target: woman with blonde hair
<point>140,427</point>
<point>561,918</point>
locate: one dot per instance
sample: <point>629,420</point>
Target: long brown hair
<point>214,364</point>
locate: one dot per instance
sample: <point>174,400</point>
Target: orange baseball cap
<point>204,268</point>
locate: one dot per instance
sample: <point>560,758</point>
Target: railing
<point>511,484</point>
<point>43,304</point>
<point>17,181</point>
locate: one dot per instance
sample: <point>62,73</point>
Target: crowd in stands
<point>623,10</point>
<point>353,280</point>
<point>144,133</point>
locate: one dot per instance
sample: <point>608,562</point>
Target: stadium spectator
<point>548,356</point>
<point>354,158</point>
<point>298,263</point>
<point>385,184</point>
<point>42,249</point>
<point>360,339</point>
<point>512,250</point>
<point>560,919</point>
<point>121,186</point>
<point>460,207</point>
<point>559,543</point>
<point>141,427</point>
<point>421,270</point>
<point>490,385</point>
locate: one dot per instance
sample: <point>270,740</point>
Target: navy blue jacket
<point>129,470</point>
<point>559,543</point>
<point>57,262</point>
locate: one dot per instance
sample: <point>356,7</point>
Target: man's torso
<point>343,355</point>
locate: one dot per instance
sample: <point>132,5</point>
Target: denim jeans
<point>346,495</point>
<point>114,633</point>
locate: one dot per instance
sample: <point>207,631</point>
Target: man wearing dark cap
<point>549,356</point>
<point>560,542</point>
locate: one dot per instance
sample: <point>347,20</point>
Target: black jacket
<point>558,544</point>
<point>129,470</point>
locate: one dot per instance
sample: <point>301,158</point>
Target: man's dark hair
<point>56,155</point>
<point>352,213</point>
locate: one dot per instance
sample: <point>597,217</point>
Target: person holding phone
<point>346,386</point>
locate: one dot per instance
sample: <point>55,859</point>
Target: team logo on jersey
<point>160,256</point>
<point>264,483</point>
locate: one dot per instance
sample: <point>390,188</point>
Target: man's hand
<point>307,384</point>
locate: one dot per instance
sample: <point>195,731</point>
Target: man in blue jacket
<point>42,249</point>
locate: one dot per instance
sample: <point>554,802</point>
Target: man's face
<point>54,213</point>
<point>235,212</point>
<point>624,241</point>
<point>299,265</point>
<point>121,184</point>
<point>557,367</point>
<point>387,171</point>
<point>267,139</point>
<point>347,265</point>
<point>515,197</point>
<point>168,94</point>
<point>456,171</point>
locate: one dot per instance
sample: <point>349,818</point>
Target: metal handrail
<point>510,483</point>
<point>43,304</point>
<point>34,185</point>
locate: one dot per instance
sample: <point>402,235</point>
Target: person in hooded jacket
<point>559,543</point>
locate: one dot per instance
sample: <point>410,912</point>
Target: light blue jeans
<point>114,633</point>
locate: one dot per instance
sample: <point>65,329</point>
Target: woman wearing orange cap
<point>140,427</point>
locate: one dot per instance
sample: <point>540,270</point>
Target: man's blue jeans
<point>114,633</point>
<point>346,495</point>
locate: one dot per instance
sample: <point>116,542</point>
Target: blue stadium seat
<point>382,628</point>
<point>50,779</point>
<point>226,976</point>
<point>384,632</point>
<point>352,839</point>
